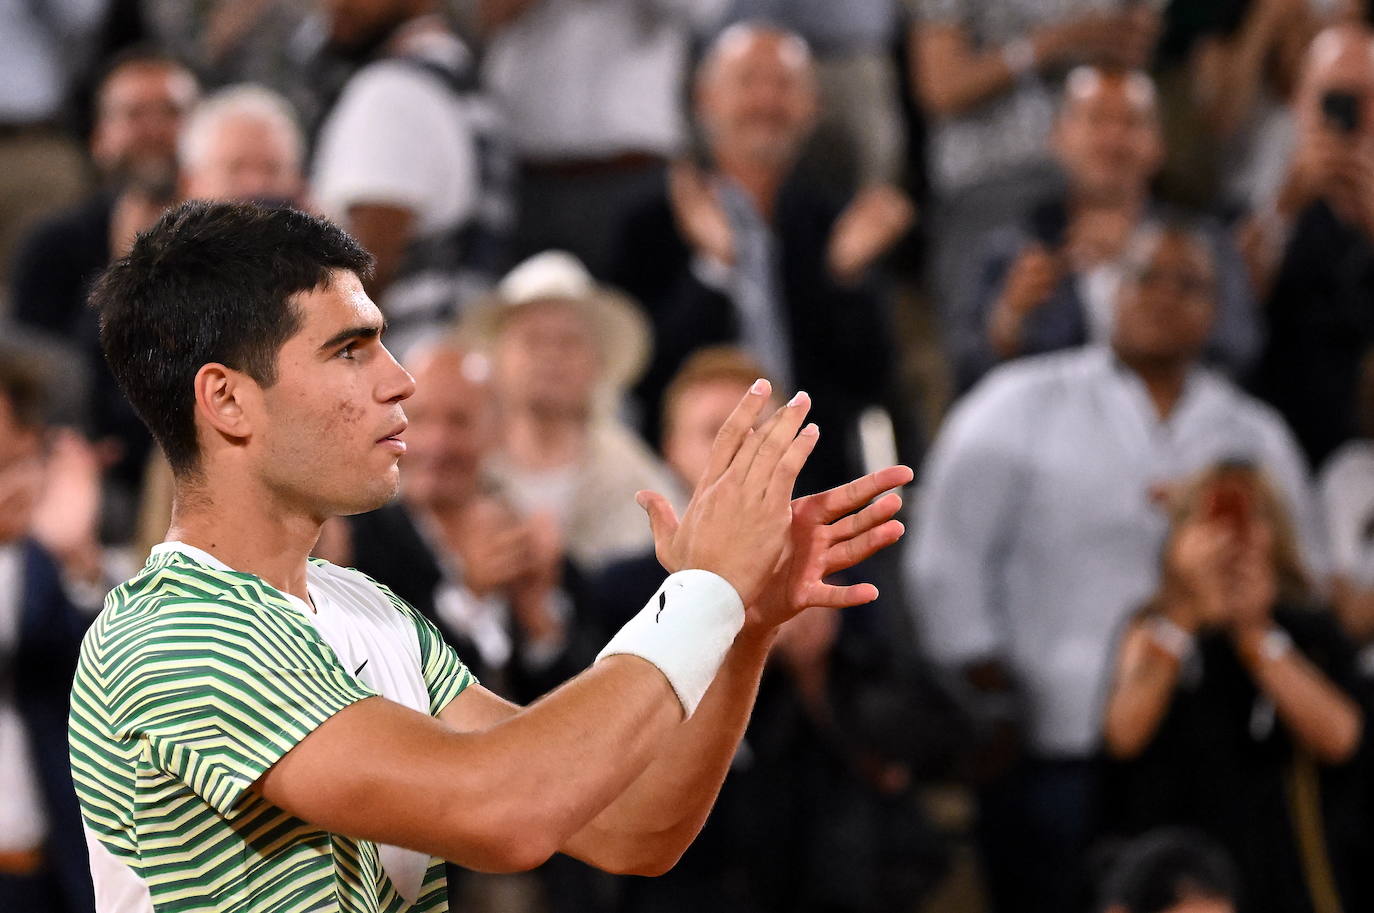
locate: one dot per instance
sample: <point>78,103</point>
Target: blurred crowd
<point>1102,269</point>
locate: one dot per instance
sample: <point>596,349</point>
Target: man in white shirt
<point>1040,532</point>
<point>411,160</point>
<point>593,90</point>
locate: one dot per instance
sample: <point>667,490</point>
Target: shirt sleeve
<point>969,502</point>
<point>219,693</point>
<point>446,676</point>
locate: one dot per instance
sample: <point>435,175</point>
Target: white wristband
<point>1170,638</point>
<point>684,630</point>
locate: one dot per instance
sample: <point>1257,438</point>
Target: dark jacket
<point>843,348</point>
<point>50,632</point>
<point>1062,323</point>
<point>388,547</point>
<point>1321,319</point>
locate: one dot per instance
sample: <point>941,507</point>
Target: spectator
<point>494,583</point>
<point>140,105</point>
<point>243,143</point>
<point>49,563</point>
<point>411,161</point>
<point>1038,535</point>
<point>1347,491</point>
<point>1227,72</point>
<point>861,134</point>
<point>860,137</point>
<point>1050,282</point>
<point>845,729</point>
<point>1170,871</point>
<point>740,255</point>
<point>1233,706</point>
<point>42,47</point>
<point>595,122</point>
<point>1322,229</point>
<point>490,579</point>
<point>563,349</point>
<point>985,72</point>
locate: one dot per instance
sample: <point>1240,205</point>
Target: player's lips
<point>392,441</point>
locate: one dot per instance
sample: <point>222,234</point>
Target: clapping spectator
<point>1038,535</point>
<point>141,104</point>
<point>1049,282</point>
<point>986,74</point>
<point>491,579</point>
<point>741,254</point>
<point>51,579</point>
<point>1233,708</point>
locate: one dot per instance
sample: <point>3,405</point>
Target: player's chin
<point>371,493</point>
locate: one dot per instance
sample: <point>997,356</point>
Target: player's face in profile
<point>332,440</point>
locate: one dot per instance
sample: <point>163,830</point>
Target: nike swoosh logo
<point>662,602</point>
<point>360,668</point>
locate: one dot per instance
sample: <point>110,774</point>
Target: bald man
<point>1049,281</point>
<point>1320,276</point>
<point>740,254</point>
<point>491,580</point>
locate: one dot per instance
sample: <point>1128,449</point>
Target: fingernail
<point>796,400</point>
<point>811,430</point>
<point>760,387</point>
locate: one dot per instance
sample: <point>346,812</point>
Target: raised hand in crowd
<point>1123,37</point>
<point>67,514</point>
<point>699,215</point>
<point>493,544</point>
<point>1221,576</point>
<point>1032,279</point>
<point>873,221</point>
<point>532,593</point>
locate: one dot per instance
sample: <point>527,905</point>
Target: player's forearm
<point>560,762</point>
<point>648,827</point>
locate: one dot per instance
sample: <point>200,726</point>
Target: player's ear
<point>222,398</point>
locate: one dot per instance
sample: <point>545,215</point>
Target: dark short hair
<point>210,282</point>
<point>1163,868</point>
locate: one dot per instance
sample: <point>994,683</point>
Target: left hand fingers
<point>844,555</point>
<point>841,597</point>
<point>829,506</point>
<point>885,508</point>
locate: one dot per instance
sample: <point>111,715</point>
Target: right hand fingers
<point>760,455</point>
<point>735,430</point>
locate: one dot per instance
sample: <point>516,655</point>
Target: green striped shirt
<point>192,683</point>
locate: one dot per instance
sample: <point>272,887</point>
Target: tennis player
<point>254,731</point>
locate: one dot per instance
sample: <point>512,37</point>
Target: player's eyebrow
<point>365,331</point>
